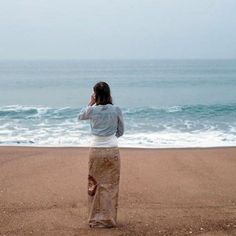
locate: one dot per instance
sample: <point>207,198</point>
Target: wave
<point>138,140</point>
<point>198,108</point>
<point>173,126</point>
<point>32,110</point>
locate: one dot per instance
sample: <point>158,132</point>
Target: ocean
<point>165,103</point>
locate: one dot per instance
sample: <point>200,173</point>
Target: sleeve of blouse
<point>120,126</point>
<point>85,113</point>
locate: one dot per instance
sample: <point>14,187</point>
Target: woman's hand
<point>92,100</point>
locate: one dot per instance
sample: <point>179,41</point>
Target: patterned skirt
<point>103,186</point>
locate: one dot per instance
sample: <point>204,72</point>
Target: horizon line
<point>108,59</point>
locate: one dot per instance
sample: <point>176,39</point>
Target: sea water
<point>165,103</point>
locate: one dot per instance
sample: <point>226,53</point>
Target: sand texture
<point>43,191</point>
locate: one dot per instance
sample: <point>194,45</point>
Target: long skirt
<point>103,186</point>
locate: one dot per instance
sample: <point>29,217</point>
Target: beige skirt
<point>103,186</point>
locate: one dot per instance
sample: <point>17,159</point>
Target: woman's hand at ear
<point>92,100</point>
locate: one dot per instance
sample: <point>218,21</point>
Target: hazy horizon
<point>111,30</point>
<point>118,59</point>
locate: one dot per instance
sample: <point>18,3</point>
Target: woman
<point>107,125</point>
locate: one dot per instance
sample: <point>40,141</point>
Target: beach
<point>188,191</point>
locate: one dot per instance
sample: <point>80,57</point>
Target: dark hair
<point>102,93</point>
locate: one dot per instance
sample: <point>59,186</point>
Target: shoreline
<point>121,147</point>
<point>188,191</point>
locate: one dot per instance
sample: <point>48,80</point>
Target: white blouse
<point>104,141</point>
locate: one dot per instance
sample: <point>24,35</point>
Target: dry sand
<point>43,191</point>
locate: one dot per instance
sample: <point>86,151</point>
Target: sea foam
<point>151,127</point>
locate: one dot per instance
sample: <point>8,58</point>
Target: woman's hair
<point>102,93</point>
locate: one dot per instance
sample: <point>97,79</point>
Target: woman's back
<point>105,120</point>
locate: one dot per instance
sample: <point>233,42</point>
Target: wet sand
<point>43,191</point>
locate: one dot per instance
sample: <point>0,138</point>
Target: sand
<point>43,191</point>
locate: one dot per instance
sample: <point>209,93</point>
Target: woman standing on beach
<point>107,125</point>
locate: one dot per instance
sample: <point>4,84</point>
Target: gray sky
<point>117,29</point>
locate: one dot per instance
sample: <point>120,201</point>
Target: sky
<point>117,29</point>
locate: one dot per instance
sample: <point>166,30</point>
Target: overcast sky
<point>117,29</point>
